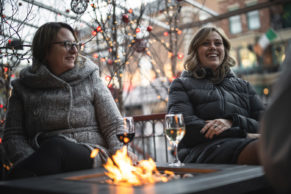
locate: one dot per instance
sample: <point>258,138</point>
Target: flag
<point>264,41</point>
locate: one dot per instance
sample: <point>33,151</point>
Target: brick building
<point>245,31</point>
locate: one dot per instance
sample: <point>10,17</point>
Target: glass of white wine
<point>175,131</point>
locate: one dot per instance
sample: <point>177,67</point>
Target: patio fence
<point>150,141</point>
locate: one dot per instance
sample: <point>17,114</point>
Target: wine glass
<point>175,131</point>
<point>128,133</point>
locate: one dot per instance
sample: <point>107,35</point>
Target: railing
<point>149,141</point>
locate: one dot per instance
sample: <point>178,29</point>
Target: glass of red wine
<point>127,135</point>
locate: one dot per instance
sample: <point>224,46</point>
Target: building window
<point>235,24</point>
<point>248,59</point>
<point>253,20</point>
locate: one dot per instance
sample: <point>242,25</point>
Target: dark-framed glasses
<point>69,45</point>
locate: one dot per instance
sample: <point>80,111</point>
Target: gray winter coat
<point>76,105</point>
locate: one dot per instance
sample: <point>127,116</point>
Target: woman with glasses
<point>221,111</point>
<point>59,110</point>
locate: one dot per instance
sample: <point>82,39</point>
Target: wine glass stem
<point>176,154</point>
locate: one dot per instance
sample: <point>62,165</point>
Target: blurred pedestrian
<point>275,142</point>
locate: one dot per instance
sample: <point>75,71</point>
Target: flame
<point>94,153</point>
<point>122,171</point>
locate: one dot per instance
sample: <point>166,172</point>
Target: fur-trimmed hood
<point>44,78</point>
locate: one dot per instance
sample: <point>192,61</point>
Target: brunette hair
<point>43,39</point>
<point>192,63</point>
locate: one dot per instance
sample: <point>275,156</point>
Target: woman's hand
<point>215,127</point>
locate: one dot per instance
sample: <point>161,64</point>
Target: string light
<point>99,29</point>
<point>107,78</point>
<point>125,18</point>
<point>180,56</point>
<point>95,55</point>
<point>149,28</point>
<point>94,33</point>
<point>109,61</point>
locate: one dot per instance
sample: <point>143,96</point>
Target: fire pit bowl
<point>180,173</point>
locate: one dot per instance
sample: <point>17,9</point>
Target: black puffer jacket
<point>200,100</point>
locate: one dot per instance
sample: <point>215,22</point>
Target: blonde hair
<point>192,63</point>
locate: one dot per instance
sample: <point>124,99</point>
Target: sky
<point>37,16</point>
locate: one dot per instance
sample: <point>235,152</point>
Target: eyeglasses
<point>69,45</point>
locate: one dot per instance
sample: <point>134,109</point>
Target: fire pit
<point>179,173</point>
<point>207,178</point>
<point>122,172</point>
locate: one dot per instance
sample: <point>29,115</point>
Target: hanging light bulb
<point>107,78</point>
<point>99,29</point>
<point>180,56</point>
<point>125,18</point>
<point>95,55</point>
<point>149,28</point>
<point>94,33</point>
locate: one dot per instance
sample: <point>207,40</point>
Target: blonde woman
<point>220,109</point>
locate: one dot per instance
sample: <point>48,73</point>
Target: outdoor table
<point>207,178</point>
